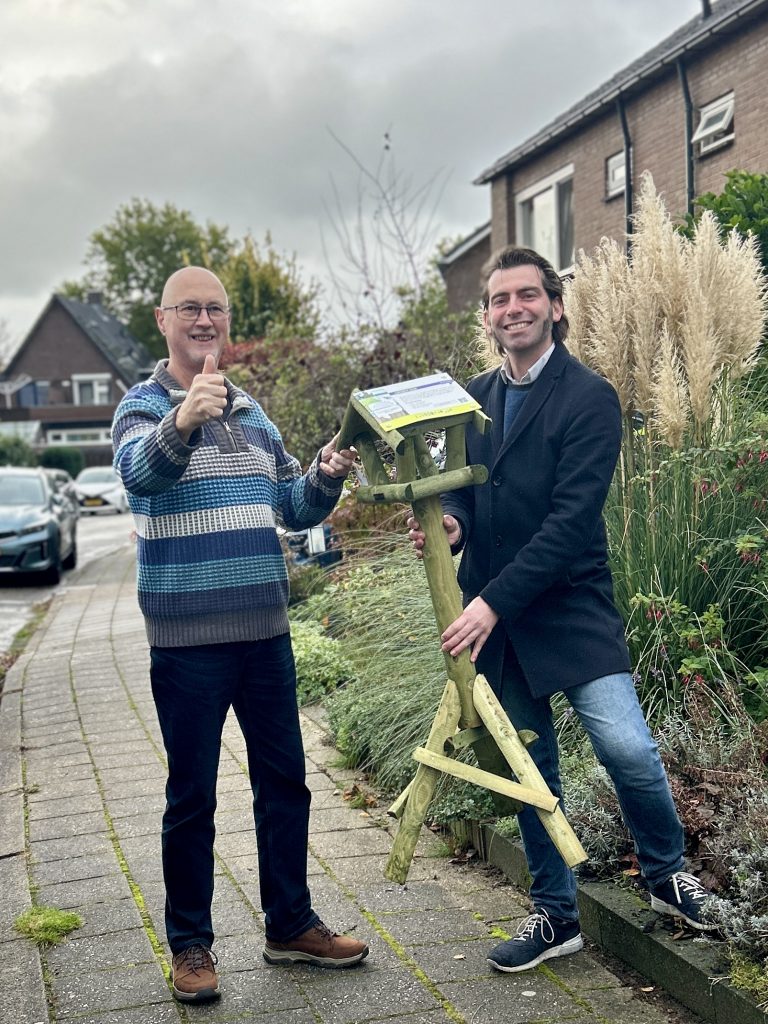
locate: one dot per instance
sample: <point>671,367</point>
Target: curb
<point>621,924</point>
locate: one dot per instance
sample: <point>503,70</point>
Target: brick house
<point>63,383</point>
<point>688,111</point>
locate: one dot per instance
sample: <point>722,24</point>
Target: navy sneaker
<point>539,937</point>
<point>682,896</point>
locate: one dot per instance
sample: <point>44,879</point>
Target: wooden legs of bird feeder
<point>413,804</point>
<point>469,714</point>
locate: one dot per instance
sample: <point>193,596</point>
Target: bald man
<point>208,480</point>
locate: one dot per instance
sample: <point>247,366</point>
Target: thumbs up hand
<point>206,399</point>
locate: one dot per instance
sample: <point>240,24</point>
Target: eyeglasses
<point>191,310</point>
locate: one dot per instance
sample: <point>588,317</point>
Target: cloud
<point>224,108</point>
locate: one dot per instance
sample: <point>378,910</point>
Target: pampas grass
<point>673,326</point>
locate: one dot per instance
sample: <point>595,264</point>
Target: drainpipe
<point>690,184</point>
<point>628,195</point>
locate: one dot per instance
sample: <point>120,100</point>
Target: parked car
<point>38,527</point>
<point>100,489</point>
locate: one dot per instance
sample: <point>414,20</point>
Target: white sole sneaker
<point>564,949</point>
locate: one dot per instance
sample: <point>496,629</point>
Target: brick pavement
<point>81,795</point>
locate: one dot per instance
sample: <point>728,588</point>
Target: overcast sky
<point>227,108</point>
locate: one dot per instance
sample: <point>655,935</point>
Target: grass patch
<point>47,926</point>
<point>21,639</point>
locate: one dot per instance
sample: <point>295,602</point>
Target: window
<point>90,389</point>
<point>545,218</point>
<point>715,124</point>
<point>84,436</point>
<point>615,175</point>
<point>34,393</point>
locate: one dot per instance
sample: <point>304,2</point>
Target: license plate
<point>93,501</point>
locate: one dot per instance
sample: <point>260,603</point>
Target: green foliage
<point>47,926</point>
<point>131,257</point>
<point>321,666</point>
<point>266,294</point>
<point>303,386</point>
<point>129,260</point>
<point>428,337</point>
<point>743,205</point>
<point>62,457</point>
<point>16,452</point>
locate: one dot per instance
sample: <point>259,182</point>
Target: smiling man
<point>208,481</point>
<point>539,613</point>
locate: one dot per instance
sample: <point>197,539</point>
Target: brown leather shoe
<point>318,945</point>
<point>194,975</point>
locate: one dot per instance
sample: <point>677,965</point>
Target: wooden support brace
<point>422,788</point>
<point>541,799</point>
<point>520,761</point>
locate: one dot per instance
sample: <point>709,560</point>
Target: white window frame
<point>82,437</point>
<point>552,181</point>
<point>101,386</point>
<point>715,127</point>
<point>613,163</point>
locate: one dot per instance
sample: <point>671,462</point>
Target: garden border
<point>621,923</point>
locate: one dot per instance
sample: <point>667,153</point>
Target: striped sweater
<point>210,566</point>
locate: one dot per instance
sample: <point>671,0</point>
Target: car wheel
<point>52,574</point>
<point>70,562</point>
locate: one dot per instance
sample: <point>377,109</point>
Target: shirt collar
<point>531,374</point>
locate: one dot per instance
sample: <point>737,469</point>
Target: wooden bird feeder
<point>469,713</point>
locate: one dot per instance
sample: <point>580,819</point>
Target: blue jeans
<point>610,712</point>
<point>193,688</point>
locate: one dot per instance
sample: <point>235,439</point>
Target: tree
<point>131,257</point>
<point>386,244</point>
<point>266,293</point>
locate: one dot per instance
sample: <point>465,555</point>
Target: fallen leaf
<point>647,988</point>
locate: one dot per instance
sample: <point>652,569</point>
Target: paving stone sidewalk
<point>81,794</point>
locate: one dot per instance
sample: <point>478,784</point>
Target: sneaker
<point>318,945</point>
<point>538,938</point>
<point>194,975</point>
<point>681,896</point>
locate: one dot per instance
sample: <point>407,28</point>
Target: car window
<point>21,490</point>
<point>97,476</point>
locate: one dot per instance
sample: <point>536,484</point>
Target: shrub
<point>16,452</point>
<point>320,664</point>
<point>61,457</point>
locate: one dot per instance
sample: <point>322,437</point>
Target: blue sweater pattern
<point>210,565</point>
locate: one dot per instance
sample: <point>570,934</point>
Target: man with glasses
<point>208,479</point>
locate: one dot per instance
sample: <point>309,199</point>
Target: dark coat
<point>533,536</point>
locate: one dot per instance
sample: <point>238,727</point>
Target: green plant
<point>743,205</point>
<point>47,926</point>
<point>16,452</point>
<point>320,664</point>
<point>61,457</point>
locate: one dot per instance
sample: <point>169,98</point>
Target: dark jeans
<point>193,688</point>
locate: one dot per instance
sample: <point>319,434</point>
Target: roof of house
<point>129,358</point>
<point>465,244</point>
<point>700,32</point>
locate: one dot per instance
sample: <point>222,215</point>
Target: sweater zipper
<point>232,440</point>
